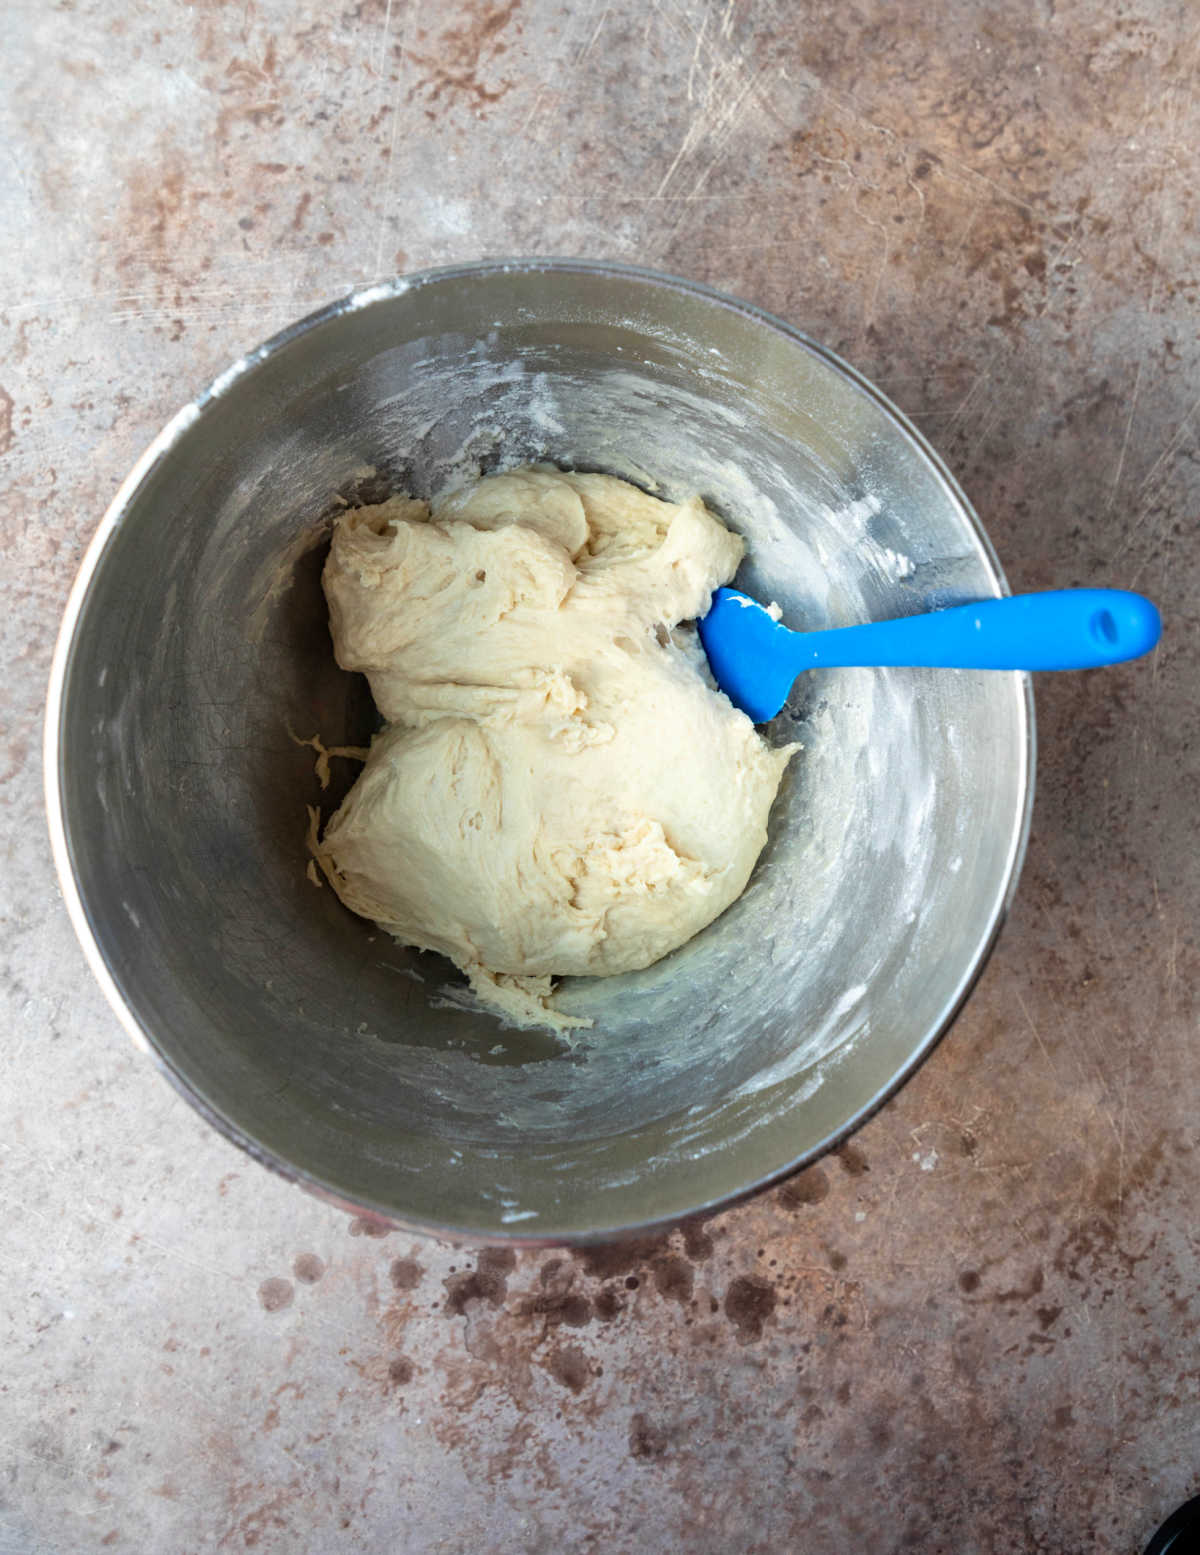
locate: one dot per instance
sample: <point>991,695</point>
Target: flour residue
<point>763,996</point>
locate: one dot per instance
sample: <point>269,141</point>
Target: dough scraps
<point>560,789</point>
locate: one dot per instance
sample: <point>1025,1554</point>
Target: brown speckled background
<point>977,1327</point>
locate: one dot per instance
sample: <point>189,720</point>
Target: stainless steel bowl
<point>195,647</point>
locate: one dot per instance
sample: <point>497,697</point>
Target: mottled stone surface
<point>973,1329</point>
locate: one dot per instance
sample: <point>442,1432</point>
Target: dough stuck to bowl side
<point>560,789</point>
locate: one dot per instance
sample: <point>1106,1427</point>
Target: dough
<point>561,790</point>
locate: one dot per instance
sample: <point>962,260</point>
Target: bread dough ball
<point>561,789</point>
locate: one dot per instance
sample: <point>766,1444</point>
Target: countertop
<point>975,1327</point>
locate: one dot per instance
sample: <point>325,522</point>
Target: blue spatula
<point>755,658</point>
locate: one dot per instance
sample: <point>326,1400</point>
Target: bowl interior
<point>200,655</point>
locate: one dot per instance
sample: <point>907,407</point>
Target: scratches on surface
<point>1115,486</point>
<point>725,95</point>
<point>1124,1125</point>
<point>550,88</point>
<point>1156,272</point>
<point>696,131</point>
<point>7,434</point>
<point>989,375</point>
<point>1149,495</point>
<point>881,271</point>
<point>384,35</point>
<point>691,95</point>
<point>385,212</point>
<point>1146,489</point>
<point>1037,1036</point>
<point>592,39</point>
<point>1153,482</point>
<point>1093,1083</point>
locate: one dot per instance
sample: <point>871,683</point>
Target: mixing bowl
<point>195,657</point>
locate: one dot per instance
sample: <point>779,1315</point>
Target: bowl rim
<point>175,430</point>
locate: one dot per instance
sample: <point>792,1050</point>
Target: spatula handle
<point>1063,629</point>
